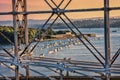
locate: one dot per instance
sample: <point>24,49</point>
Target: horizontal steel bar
<point>85,10</point>
<point>69,61</point>
<point>67,69</point>
<point>91,9</point>
<point>89,70</point>
<point>37,12</point>
<point>5,13</point>
<point>114,8</point>
<point>28,12</point>
<point>50,11</point>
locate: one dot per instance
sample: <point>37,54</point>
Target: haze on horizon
<point>6,6</point>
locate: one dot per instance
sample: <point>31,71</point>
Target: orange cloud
<point>5,1</point>
<point>5,5</point>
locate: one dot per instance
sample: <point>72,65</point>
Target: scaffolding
<point>105,65</point>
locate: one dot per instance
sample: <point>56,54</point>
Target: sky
<point>6,6</point>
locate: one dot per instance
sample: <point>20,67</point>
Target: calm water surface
<point>75,52</point>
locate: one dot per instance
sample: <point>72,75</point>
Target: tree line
<point>90,23</point>
<point>8,31</point>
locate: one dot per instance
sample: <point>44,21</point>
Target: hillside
<point>7,34</point>
<point>80,23</point>
<point>90,23</point>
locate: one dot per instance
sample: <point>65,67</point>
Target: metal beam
<point>15,40</point>
<point>26,35</point>
<point>81,40</point>
<point>84,37</point>
<point>28,12</point>
<point>107,38</point>
<point>36,35</point>
<point>58,11</point>
<point>67,11</point>
<point>115,57</point>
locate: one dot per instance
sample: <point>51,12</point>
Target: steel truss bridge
<point>104,66</point>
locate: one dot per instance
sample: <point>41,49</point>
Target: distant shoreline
<point>80,23</point>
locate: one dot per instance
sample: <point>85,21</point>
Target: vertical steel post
<point>26,23</point>
<point>107,38</point>
<point>26,35</point>
<point>15,40</point>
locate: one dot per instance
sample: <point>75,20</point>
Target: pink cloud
<point>5,5</point>
<point>5,1</point>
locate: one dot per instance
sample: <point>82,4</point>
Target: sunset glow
<point>6,6</point>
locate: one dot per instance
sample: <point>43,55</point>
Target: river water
<point>78,51</point>
<point>74,52</point>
